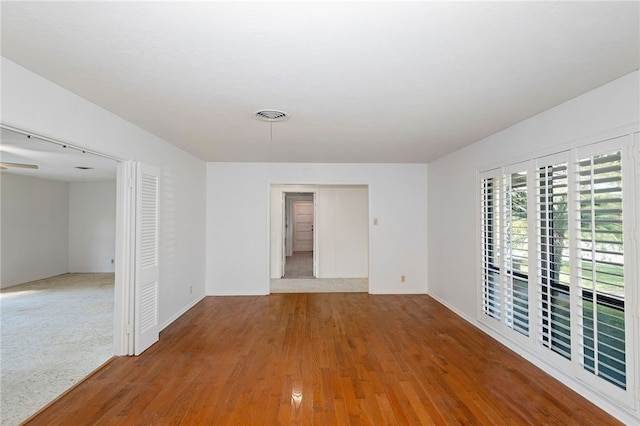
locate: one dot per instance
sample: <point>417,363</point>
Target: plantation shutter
<point>558,247</point>
<point>601,257</point>
<point>490,253</point>
<point>515,242</point>
<point>553,259</point>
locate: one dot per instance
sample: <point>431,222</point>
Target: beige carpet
<point>320,285</point>
<point>54,332</point>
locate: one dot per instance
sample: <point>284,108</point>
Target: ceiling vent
<point>271,115</point>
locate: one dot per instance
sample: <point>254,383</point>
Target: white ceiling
<point>362,81</point>
<point>55,162</point>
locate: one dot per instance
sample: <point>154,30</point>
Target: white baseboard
<point>181,312</point>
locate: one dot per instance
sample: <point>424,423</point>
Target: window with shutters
<point>491,294</point>
<point>505,240</point>
<point>601,267</point>
<point>555,259</point>
<point>552,202</point>
<point>516,259</point>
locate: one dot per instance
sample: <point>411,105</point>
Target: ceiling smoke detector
<point>271,115</point>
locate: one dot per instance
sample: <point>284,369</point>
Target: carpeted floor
<point>54,332</point>
<point>320,285</point>
<point>298,278</point>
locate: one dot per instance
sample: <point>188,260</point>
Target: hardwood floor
<point>341,358</point>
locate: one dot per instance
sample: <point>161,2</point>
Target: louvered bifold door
<point>147,265</point>
<point>601,256</point>
<point>553,254</point>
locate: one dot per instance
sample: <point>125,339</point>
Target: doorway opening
<point>332,251</point>
<point>58,280</point>
<point>80,181</point>
<point>299,236</point>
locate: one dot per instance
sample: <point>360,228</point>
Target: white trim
<point>370,227</point>
<point>267,283</point>
<point>124,259</point>
<point>551,159</point>
<point>635,290</point>
<point>285,233</point>
<point>314,232</point>
<point>567,145</point>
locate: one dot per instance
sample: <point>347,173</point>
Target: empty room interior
<point>320,212</point>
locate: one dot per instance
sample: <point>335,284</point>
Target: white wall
<point>34,228</point>
<point>343,222</point>
<point>238,210</point>
<point>92,226</point>
<point>453,249</point>
<point>342,229</point>
<point>33,103</point>
<point>51,227</point>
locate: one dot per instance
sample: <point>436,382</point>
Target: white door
<point>303,226</point>
<point>146,260</point>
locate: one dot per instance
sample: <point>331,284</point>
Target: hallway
<point>299,265</point>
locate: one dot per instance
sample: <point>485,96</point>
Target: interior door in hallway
<point>303,226</point>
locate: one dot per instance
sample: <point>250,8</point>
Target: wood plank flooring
<point>322,359</point>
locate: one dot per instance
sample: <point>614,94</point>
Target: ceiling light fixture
<point>17,165</point>
<point>271,115</point>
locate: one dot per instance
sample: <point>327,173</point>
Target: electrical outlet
<point>402,279</point>
<point>112,261</point>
